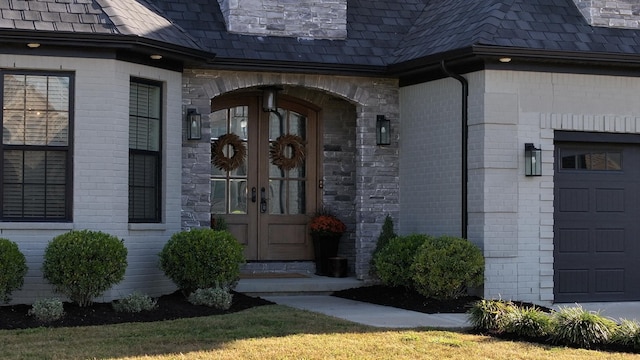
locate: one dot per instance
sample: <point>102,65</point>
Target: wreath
<point>228,163</point>
<point>278,151</point>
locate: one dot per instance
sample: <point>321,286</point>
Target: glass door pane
<point>287,174</point>
<point>229,157</point>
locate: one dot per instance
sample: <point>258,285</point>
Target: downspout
<point>465,140</point>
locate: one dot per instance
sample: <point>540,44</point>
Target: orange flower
<point>326,224</point>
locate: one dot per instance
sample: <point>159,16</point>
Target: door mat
<point>272,275</point>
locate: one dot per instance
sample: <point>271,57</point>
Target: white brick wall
<point>430,158</point>
<point>510,215</point>
<point>100,194</point>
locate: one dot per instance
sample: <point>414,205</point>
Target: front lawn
<point>269,332</point>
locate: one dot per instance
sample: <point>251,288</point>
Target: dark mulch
<point>173,306</point>
<point>407,299</point>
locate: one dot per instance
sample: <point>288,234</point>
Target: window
<point>36,146</point>
<point>591,159</point>
<point>145,114</point>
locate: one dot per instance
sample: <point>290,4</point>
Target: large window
<point>36,146</point>
<point>145,120</point>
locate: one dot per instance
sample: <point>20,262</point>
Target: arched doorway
<point>264,174</point>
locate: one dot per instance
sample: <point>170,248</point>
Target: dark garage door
<point>597,223</point>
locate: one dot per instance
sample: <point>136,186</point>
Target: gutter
<point>464,221</point>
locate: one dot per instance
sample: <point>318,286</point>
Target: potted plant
<point>326,230</point>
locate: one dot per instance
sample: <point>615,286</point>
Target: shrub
<point>386,234</point>
<point>202,258</point>
<point>47,310</point>
<point>576,327</point>
<point>528,322</point>
<point>84,264</point>
<point>627,334</point>
<point>393,261</point>
<point>135,303</point>
<point>444,267</point>
<point>216,297</point>
<point>13,268</point>
<point>490,315</point>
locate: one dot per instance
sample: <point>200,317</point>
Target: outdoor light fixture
<point>383,127</point>
<point>33,45</point>
<point>194,125</point>
<point>270,98</point>
<point>155,56</point>
<point>532,160</point>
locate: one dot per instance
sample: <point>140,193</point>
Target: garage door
<point>597,223</point>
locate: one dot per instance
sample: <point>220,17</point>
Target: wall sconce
<point>270,98</point>
<point>383,127</point>
<point>532,160</point>
<point>194,125</point>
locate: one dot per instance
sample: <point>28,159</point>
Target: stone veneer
<point>312,19</point>
<point>611,13</point>
<point>360,178</point>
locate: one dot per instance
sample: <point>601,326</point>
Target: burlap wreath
<point>278,155</point>
<point>226,163</point>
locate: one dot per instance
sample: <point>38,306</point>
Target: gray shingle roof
<point>371,38</point>
<point>98,17</point>
<point>550,25</point>
<point>380,32</point>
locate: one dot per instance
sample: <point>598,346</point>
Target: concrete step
<point>310,284</point>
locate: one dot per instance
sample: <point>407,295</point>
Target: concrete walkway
<point>390,317</point>
<point>312,293</point>
<point>370,314</point>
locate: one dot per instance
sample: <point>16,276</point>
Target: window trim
<point>68,201</point>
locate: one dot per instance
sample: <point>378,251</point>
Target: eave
<point>478,57</point>
<point>128,47</point>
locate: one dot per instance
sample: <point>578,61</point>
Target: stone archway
<point>375,169</point>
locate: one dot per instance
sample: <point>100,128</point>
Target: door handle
<point>254,194</point>
<point>263,200</point>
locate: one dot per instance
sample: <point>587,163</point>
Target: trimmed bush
<point>490,315</point>
<point>84,264</point>
<point>134,303</point>
<point>393,261</point>
<point>201,259</point>
<point>528,322</point>
<point>47,310</point>
<point>13,268</point>
<point>215,297</point>
<point>576,327</point>
<point>386,234</point>
<point>444,267</point>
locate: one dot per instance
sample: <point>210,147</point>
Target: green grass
<point>269,332</point>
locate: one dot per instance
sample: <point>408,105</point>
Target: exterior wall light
<point>383,127</point>
<point>270,98</point>
<point>532,160</point>
<point>194,125</point>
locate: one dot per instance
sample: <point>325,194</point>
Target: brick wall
<point>510,215</point>
<point>360,178</point>
<point>540,104</point>
<point>312,19</point>
<point>611,13</point>
<point>101,157</point>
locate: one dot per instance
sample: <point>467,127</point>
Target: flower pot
<point>325,246</point>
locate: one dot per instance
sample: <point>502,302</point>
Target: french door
<point>264,175</point>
